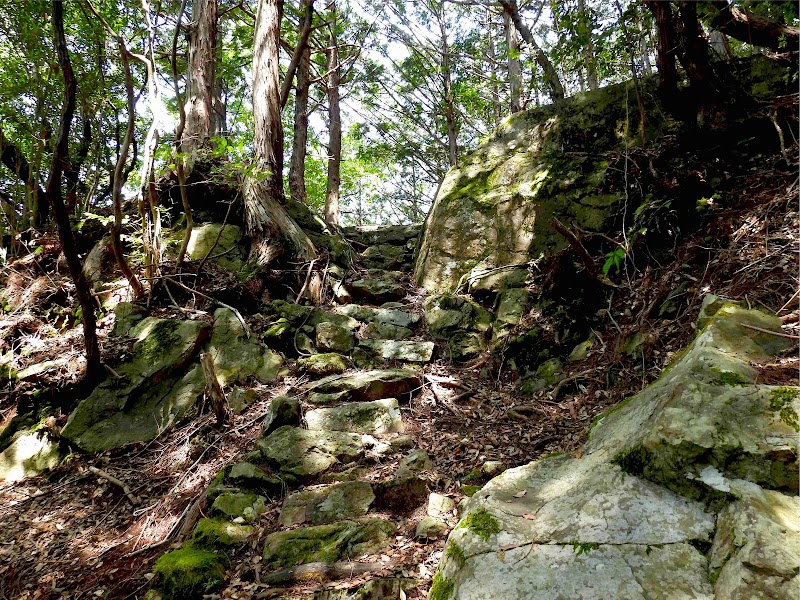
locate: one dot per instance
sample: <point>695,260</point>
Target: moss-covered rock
<point>756,550</point>
<point>414,463</point>
<point>364,386</point>
<point>384,331</point>
<point>237,356</point>
<point>246,506</point>
<point>378,286</point>
<point>325,505</point>
<point>447,314</point>
<point>327,363</point>
<point>215,534</point>
<point>331,337</point>
<point>305,453</point>
<point>376,417</point>
<point>30,454</point>
<point>383,256</point>
<point>401,494</point>
<point>705,414</point>
<point>384,316</point>
<point>188,573</point>
<point>154,390</point>
<point>283,410</point>
<point>327,543</point>
<point>405,350</point>
<point>223,244</point>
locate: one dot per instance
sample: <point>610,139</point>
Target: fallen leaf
<point>528,516</point>
<point>520,494</point>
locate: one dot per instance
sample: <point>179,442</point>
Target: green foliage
<point>584,547</point>
<point>615,259</point>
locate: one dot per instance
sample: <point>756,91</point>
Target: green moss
<point>729,377</point>
<point>189,573</point>
<point>481,523</point>
<point>218,533</point>
<point>454,552</point>
<point>633,460</point>
<point>470,490</point>
<point>442,588</point>
<point>781,401</point>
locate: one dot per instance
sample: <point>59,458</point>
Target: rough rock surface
<point>378,286</point>
<point>367,385</point>
<point>237,357</point>
<point>624,520</point>
<point>30,454</point>
<point>333,503</point>
<point>152,393</point>
<point>376,417</point>
<point>305,453</point>
<point>327,543</point>
<point>409,351</point>
<point>386,316</point>
<point>706,411</point>
<point>494,209</point>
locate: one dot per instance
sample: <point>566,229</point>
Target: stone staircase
<point>334,453</point>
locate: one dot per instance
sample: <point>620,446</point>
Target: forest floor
<point>72,534</point>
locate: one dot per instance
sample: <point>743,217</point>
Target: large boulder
<point>237,356</point>
<point>566,528</point>
<point>706,415</point>
<point>223,244</point>
<point>153,391</point>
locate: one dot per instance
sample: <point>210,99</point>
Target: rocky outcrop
<point>677,469</point>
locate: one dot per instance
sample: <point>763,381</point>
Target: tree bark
<point>297,168</point>
<point>200,79</point>
<point>54,194</point>
<point>14,160</point>
<point>268,224</point>
<point>334,124</point>
<point>514,68</point>
<point>751,29</point>
<point>585,31</point>
<point>307,8</point>
<point>550,73</point>
<point>448,99</point>
<point>667,46</point>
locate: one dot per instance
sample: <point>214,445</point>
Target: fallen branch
<point>111,479</point>
<point>214,389</point>
<point>771,332</point>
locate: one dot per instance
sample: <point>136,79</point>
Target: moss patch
<point>218,533</point>
<point>442,588</point>
<point>481,523</point>
<point>781,401</point>
<point>189,573</point>
<point>455,553</point>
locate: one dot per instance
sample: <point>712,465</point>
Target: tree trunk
<point>307,9</point>
<point>297,168</point>
<point>56,199</point>
<point>268,224</point>
<point>694,58</point>
<point>449,100</point>
<point>497,108</point>
<point>667,46</point>
<point>749,28</point>
<point>14,160</point>
<point>514,68</point>
<point>550,73</point>
<point>334,124</point>
<point>199,101</point>
<point>585,31</point>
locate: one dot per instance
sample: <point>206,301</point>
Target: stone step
<point>335,502</point>
<point>365,386</point>
<point>376,417</point>
<point>370,314</point>
<point>408,351</point>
